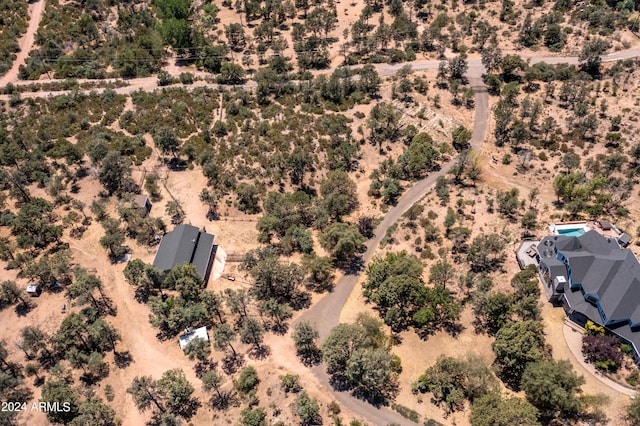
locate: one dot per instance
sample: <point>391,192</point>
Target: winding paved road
<point>326,313</point>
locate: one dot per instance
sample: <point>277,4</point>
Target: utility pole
<point>43,63</point>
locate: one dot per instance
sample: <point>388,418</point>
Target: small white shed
<point>197,333</point>
<point>34,290</point>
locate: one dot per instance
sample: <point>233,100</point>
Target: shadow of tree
<point>142,295</point>
<point>340,383</point>
<point>122,359</point>
<point>259,352</point>
<point>177,165</point>
<point>311,357</point>
<point>23,308</point>
<point>353,266</point>
<point>108,306</point>
<point>91,378</point>
<point>280,328</point>
<point>231,363</point>
<point>225,400</point>
<point>324,287</point>
<point>453,328</point>
<point>189,409</point>
<point>164,335</point>
<point>202,367</point>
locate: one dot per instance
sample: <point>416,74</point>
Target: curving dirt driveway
<point>326,313</point>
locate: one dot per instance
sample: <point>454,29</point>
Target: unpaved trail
<point>36,10</point>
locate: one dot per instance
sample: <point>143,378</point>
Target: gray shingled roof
<point>202,253</point>
<point>185,244</point>
<point>602,269</point>
<point>576,300</point>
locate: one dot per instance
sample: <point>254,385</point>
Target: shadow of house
<point>595,279</point>
<point>186,244</point>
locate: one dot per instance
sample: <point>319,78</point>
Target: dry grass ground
<point>236,233</point>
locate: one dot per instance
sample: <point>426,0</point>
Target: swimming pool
<point>570,229</point>
<point>571,232</point>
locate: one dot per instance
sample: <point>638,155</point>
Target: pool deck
<point>587,226</point>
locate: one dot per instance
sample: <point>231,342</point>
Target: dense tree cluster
<point>553,387</point>
<point>87,289</point>
<point>168,397</point>
<point>454,380</point>
<point>591,185</point>
<point>281,155</point>
<point>494,410</point>
<point>305,337</point>
<point>81,410</point>
<point>33,225</point>
<point>597,196</point>
<point>486,252</point>
<point>193,306</point>
<point>233,314</point>
<point>517,345</point>
<point>82,342</point>
<point>357,356</point>
<point>342,240</point>
<point>419,158</point>
<point>132,46</point>
<point>395,285</point>
<point>307,410</point>
<point>495,309</point>
<point>11,294</point>
<point>273,280</point>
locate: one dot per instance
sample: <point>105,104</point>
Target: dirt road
<point>326,313</point>
<point>36,10</point>
<point>476,69</point>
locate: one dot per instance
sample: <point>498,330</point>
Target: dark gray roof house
<point>595,279</point>
<point>186,244</point>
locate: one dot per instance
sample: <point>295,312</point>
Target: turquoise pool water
<point>571,232</point>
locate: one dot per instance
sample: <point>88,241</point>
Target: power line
<point>118,53</point>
